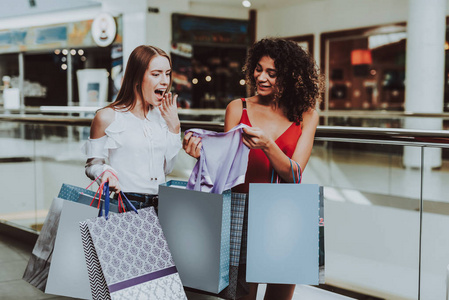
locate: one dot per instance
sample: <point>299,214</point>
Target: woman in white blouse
<point>134,141</point>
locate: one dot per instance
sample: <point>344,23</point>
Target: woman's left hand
<point>169,111</point>
<point>255,138</point>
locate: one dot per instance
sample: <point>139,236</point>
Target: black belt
<point>148,199</point>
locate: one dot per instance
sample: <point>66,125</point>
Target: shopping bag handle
<point>197,186</point>
<point>100,189</point>
<point>95,180</point>
<point>298,173</point>
<point>127,203</point>
<point>105,192</point>
<point>107,201</point>
<point>99,192</point>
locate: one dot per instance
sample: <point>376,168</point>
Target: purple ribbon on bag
<point>141,279</point>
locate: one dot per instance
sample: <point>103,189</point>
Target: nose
<point>263,76</point>
<point>165,79</point>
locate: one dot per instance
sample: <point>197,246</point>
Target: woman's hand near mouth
<point>169,112</point>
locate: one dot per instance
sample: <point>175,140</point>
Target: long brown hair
<point>138,62</point>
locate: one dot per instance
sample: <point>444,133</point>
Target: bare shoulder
<point>310,119</point>
<point>234,106</point>
<point>233,114</point>
<point>101,121</point>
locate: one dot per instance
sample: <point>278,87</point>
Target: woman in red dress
<point>283,121</point>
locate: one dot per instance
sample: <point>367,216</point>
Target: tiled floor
<point>13,260</point>
<point>14,257</point>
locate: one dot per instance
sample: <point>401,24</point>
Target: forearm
<point>95,167</point>
<point>280,162</point>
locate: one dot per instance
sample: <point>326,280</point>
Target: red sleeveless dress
<point>259,168</point>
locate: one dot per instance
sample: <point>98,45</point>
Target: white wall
<point>316,17</point>
<point>329,15</point>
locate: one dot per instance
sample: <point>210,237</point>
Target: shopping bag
<point>197,227</point>
<point>238,286</point>
<point>283,233</point>
<point>36,272</point>
<point>321,239</point>
<point>68,272</point>
<point>127,257</point>
<point>72,192</point>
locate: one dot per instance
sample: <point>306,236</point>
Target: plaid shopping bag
<point>238,287</point>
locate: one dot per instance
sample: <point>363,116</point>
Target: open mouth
<point>160,92</point>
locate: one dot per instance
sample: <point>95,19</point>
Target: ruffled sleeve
<point>113,132</point>
<point>99,148</point>
<point>94,148</point>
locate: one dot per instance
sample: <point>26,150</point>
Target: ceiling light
<point>246,3</point>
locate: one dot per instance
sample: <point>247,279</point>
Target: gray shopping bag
<point>283,233</point>
<point>197,227</point>
<point>36,272</point>
<point>68,272</point>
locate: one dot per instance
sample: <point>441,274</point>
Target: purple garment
<point>223,160</point>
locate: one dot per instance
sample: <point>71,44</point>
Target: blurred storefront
<point>43,62</point>
<point>208,73</point>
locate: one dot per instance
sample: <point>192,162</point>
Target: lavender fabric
<point>223,160</point>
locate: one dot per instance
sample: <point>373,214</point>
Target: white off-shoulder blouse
<point>140,152</point>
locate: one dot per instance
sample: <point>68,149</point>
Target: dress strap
<point>244,103</point>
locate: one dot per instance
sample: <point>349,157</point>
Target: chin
<point>155,102</point>
<point>265,93</point>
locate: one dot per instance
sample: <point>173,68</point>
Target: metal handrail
<point>376,114</point>
<point>415,137</point>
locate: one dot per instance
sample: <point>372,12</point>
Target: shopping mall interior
<point>381,150</point>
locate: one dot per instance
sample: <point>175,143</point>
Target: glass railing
<point>386,196</point>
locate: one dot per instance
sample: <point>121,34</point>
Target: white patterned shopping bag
<point>128,257</point>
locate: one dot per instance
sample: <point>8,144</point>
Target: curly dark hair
<point>297,78</point>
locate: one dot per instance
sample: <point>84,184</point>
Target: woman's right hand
<point>192,145</point>
<point>113,181</point>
